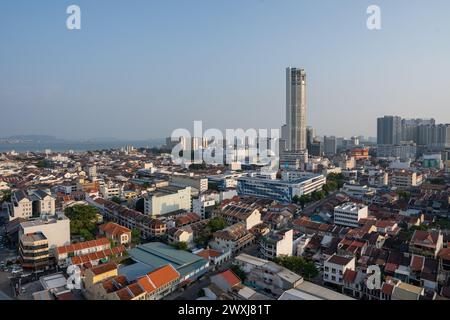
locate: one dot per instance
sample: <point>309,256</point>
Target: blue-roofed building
<point>153,255</point>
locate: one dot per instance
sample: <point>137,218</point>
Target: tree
<point>201,293</point>
<point>338,178</point>
<point>181,246</point>
<point>6,196</point>
<point>304,199</point>
<point>41,164</point>
<point>298,265</point>
<point>116,200</point>
<point>140,205</point>
<point>217,224</point>
<point>309,270</point>
<point>405,195</point>
<point>239,272</point>
<point>82,220</point>
<point>203,237</point>
<point>135,237</point>
<point>317,195</point>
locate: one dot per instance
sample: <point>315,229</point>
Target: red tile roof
<point>444,254</point>
<point>83,245</point>
<point>424,238</point>
<point>339,260</point>
<point>114,229</point>
<point>390,267</point>
<point>230,278</point>
<point>417,263</point>
<point>349,276</point>
<point>209,253</point>
<point>158,278</point>
<point>88,258</point>
<point>164,275</point>
<point>387,289</point>
<point>103,268</point>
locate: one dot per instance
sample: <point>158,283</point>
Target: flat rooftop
<point>351,207</point>
<point>53,281</point>
<point>32,237</point>
<point>40,221</point>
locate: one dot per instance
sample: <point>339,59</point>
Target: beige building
<point>27,205</point>
<point>116,233</point>
<point>233,214</point>
<point>349,214</point>
<point>183,234</point>
<point>276,244</point>
<point>335,266</point>
<point>232,238</point>
<point>99,273</point>
<point>403,179</point>
<point>267,275</point>
<point>56,229</point>
<point>34,251</point>
<point>167,199</point>
<point>197,182</point>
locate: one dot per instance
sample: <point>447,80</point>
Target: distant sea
<point>63,146</point>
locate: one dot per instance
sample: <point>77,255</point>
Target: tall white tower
<point>296,109</point>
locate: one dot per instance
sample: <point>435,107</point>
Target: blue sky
<point>141,68</point>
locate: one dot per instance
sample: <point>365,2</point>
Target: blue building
<point>153,255</point>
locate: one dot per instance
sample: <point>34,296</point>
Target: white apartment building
<point>357,191</point>
<point>56,229</point>
<point>349,214</point>
<point>26,205</point>
<point>233,213</point>
<point>110,190</point>
<point>276,244</point>
<point>167,199</point>
<point>204,205</point>
<point>335,266</point>
<point>20,206</point>
<point>268,275</point>
<point>406,179</point>
<point>196,182</point>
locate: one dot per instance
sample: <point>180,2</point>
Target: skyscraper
<point>389,130</point>
<point>330,145</point>
<point>296,108</point>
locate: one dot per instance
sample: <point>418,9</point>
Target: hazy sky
<point>141,68</point>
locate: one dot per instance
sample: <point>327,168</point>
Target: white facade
<point>357,191</point>
<point>55,229</point>
<point>199,183</point>
<point>111,190</point>
<point>349,214</point>
<point>334,268</point>
<point>276,245</point>
<point>405,179</point>
<point>204,204</point>
<point>36,203</point>
<point>296,108</point>
<point>167,199</point>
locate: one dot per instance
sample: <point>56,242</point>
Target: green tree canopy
<point>217,224</point>
<point>82,220</point>
<point>305,268</point>
<point>181,246</point>
<point>135,237</point>
<point>239,272</point>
